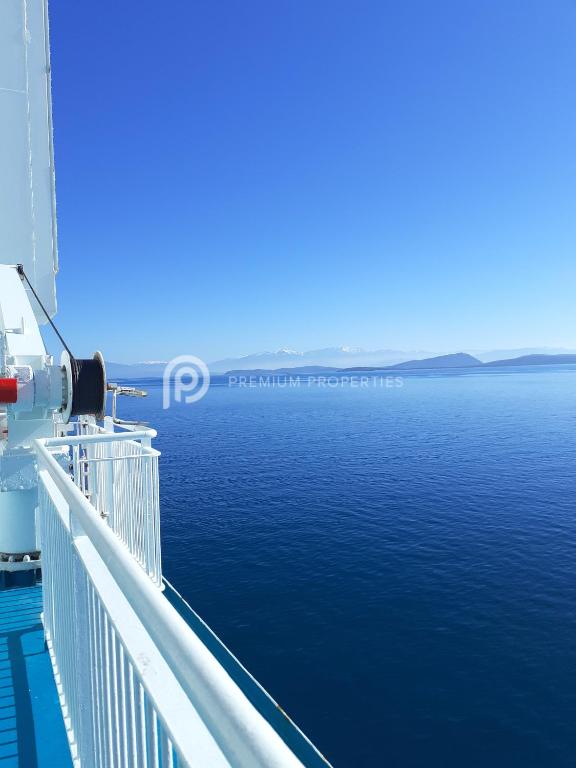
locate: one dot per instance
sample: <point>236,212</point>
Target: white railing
<point>137,686</point>
<point>118,474</point>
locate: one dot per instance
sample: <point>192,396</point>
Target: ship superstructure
<point>103,663</point>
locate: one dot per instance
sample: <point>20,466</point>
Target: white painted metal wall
<point>27,197</point>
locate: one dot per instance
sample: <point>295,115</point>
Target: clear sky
<point>239,175</point>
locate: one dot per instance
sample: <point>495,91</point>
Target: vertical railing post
<point>87,698</point>
<point>108,505</point>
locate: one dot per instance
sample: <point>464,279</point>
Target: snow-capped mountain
<point>330,356</point>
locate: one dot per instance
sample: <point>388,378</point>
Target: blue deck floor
<point>32,733</point>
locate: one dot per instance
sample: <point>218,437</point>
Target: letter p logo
<point>188,377</point>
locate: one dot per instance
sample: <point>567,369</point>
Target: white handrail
<point>101,437</point>
<point>121,703</point>
<point>242,733</point>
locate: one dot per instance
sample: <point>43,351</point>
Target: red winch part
<point>8,390</point>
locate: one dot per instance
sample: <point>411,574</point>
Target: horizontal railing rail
<point>137,685</point>
<point>87,425</point>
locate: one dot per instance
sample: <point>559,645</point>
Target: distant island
<point>440,362</point>
<point>460,360</point>
<point>358,357</point>
<point>536,360</point>
<point>457,360</point>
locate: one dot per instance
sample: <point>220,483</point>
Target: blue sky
<point>240,176</point>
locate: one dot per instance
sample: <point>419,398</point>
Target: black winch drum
<point>86,384</point>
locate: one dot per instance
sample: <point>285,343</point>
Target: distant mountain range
<point>457,360</point>
<point>155,369</point>
<point>333,357</point>
<point>348,357</point>
<point>463,360</point>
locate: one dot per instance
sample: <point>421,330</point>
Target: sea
<point>394,562</point>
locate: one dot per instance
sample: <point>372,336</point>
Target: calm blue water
<point>396,566</point>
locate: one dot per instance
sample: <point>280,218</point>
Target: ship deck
<point>32,733</point>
